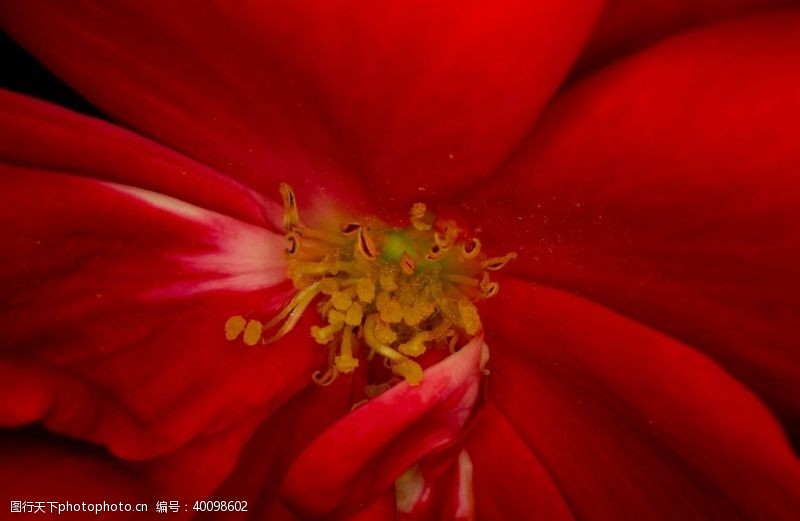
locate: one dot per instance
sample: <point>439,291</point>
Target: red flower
<point>644,357</point>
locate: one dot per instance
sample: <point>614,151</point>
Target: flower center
<point>393,292</point>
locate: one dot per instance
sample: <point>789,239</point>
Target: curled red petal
<point>358,458</point>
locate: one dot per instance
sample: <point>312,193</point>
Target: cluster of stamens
<point>384,291</point>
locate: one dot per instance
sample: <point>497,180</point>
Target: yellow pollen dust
<point>381,291</point>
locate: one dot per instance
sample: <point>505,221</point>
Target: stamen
<point>350,228</point>
<point>471,249</point>
<point>234,327</point>
<point>498,263</point>
<point>446,240</point>
<point>399,291</point>
<point>366,245</point>
<point>421,218</point>
<point>345,362</point>
<point>400,365</point>
<point>252,332</point>
<point>294,243</point>
<point>407,264</point>
<point>291,217</point>
<point>488,288</point>
<point>365,289</point>
<point>435,253</point>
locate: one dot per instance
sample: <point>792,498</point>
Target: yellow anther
<point>336,317</point>
<point>365,244</point>
<point>470,320</point>
<point>253,332</point>
<point>342,299</point>
<point>291,216</point>
<point>293,243</point>
<point>446,239</point>
<point>234,327</point>
<point>408,369</point>
<point>354,315</point>
<point>435,253</point>
<point>388,281</point>
<point>390,310</point>
<point>384,332</point>
<point>421,219</point>
<point>416,313</point>
<point>415,346</point>
<point>350,228</point>
<point>365,290</point>
<point>345,362</point>
<point>400,365</point>
<point>488,288</point>
<point>403,290</point>
<point>328,286</point>
<point>470,249</point>
<point>324,335</point>
<point>407,264</point>
<point>497,263</point>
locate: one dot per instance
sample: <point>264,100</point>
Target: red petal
<point>195,79</point>
<point>420,95</point>
<point>117,298</point>
<point>509,480</point>
<point>37,466</point>
<point>667,188</point>
<point>627,25</point>
<point>632,424</point>
<point>359,457</point>
<point>33,470</point>
<point>265,459</point>
<point>446,494</point>
<point>42,135</point>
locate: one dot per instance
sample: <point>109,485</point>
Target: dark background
<point>22,73</point>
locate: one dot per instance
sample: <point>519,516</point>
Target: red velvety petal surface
<point>39,466</point>
<point>629,423</point>
<point>416,95</point>
<point>34,470</point>
<point>191,77</point>
<point>358,459</point>
<point>263,462</point>
<point>666,188</point>
<point>627,25</point>
<point>41,135</point>
<point>509,480</point>
<point>115,301</point>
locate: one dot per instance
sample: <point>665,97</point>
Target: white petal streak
<point>466,503</point>
<point>238,256</point>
